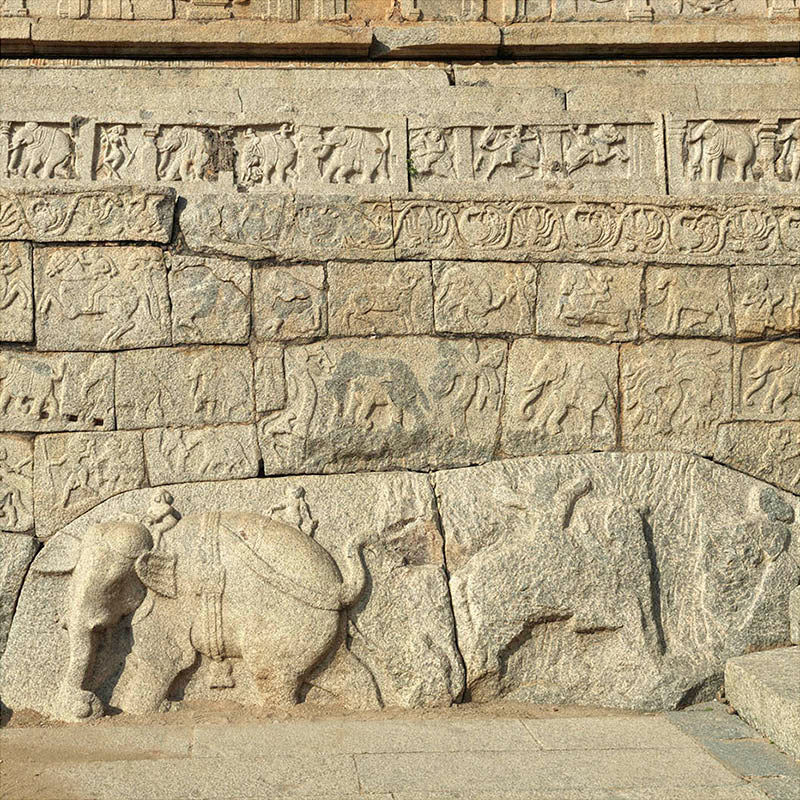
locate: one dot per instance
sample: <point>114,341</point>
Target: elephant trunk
<point>354,574</point>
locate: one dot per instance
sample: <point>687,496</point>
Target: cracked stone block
<point>210,300</point>
<point>76,471</point>
<point>484,297</point>
<point>16,292</point>
<point>101,298</point>
<point>561,396</point>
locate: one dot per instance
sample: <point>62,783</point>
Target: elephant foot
<point>77,706</point>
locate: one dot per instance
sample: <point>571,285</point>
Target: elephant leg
<point>150,677</point>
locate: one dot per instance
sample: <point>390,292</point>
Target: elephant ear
<point>157,572</point>
<point>59,556</point>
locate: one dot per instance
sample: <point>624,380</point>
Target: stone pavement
<point>699,754</point>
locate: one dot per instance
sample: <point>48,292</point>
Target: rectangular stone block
<point>767,380</point>
<point>657,230</point>
<point>16,553</point>
<point>86,214</point>
<point>380,298</point>
<point>674,395</point>
<point>210,300</point>
<point>484,297</point>
<point>76,471</point>
<point>289,303</point>
<point>734,153</point>
<point>528,153</point>
<point>101,298</point>
<point>186,386</point>
<point>768,450</point>
<point>16,483</point>
<point>16,292</point>
<point>56,392</point>
<point>561,397</point>
<point>766,300</point>
<point>686,301</point>
<point>580,302</point>
<point>386,403</point>
<point>269,378</point>
<point>182,455</point>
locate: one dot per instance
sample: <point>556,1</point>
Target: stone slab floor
<point>699,754</point>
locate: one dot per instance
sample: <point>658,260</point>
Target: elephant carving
<point>184,154</point>
<point>711,145</point>
<point>226,585</point>
<point>37,151</point>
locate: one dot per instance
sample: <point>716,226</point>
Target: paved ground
<point>701,754</point>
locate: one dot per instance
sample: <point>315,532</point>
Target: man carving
<point>294,511</point>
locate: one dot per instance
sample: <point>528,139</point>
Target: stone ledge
<point>764,688</point>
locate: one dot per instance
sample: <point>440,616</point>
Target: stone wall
<point>524,352</point>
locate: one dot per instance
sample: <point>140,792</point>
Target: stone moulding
<point>66,214</point>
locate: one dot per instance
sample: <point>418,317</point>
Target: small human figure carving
<point>598,146</point>
<point>294,510</point>
<point>788,161</point>
<point>115,154</point>
<point>519,147</point>
<point>16,483</point>
<point>161,516</point>
<point>759,303</point>
<point>13,289</point>
<point>431,153</point>
<point>587,299</point>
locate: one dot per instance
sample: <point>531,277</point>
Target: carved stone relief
<point>16,553</point>
<point>675,394</point>
<point>38,151</point>
<point>581,302</point>
<point>49,392</point>
<point>289,303</point>
<point>186,386</point>
<point>380,298</point>
<point>16,292</point>
<point>378,404</point>
<point>101,298</point>
<point>181,455</point>
<point>269,379</point>
<point>767,380</point>
<point>210,299</point>
<point>688,302</point>
<point>766,300</point>
<point>562,397</point>
<point>76,471</point>
<point>16,483</point>
<point>484,297</point>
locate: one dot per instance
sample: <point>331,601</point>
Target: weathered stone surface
<point>650,230</point>
<point>268,376</point>
<point>210,300</point>
<point>377,404</point>
<point>76,471</point>
<point>794,615</point>
<point>688,302</point>
<point>16,553</point>
<point>56,392</point>
<point>613,579</point>
<point>16,483</point>
<point>561,397</point>
<point>55,214</point>
<point>767,380</point>
<point>380,298</point>
<point>764,688</point>
<point>289,607</point>
<point>485,297</point>
<point>16,292</point>
<point>289,302</point>
<point>101,298</point>
<point>186,386</point>
<point>578,302</point>
<point>674,395</point>
<point>182,455</point>
<point>768,450</point>
<point>766,300</point>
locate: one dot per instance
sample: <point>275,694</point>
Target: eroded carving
<point>185,154</point>
<point>766,300</point>
<point>344,154</point>
<point>787,163</point>
<point>289,302</point>
<point>596,145</point>
<point>16,483</point>
<point>431,154</point>
<point>115,156</point>
<point>768,380</point>
<point>713,148</point>
<point>268,156</point>
<point>518,148</point>
<point>16,292</point>
<point>40,151</point>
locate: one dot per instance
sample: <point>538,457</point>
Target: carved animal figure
<point>681,299</point>
<point>269,158</point>
<point>198,294</point>
<point>353,155</point>
<point>223,584</point>
<point>365,397</point>
<point>588,300</point>
<point>40,152</point>
<point>465,300</point>
<point>714,144</point>
<point>30,385</point>
<point>393,297</point>
<point>184,154</point>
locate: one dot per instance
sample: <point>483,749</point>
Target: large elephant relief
<point>227,585</point>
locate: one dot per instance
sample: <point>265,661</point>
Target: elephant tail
<point>353,573</point>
